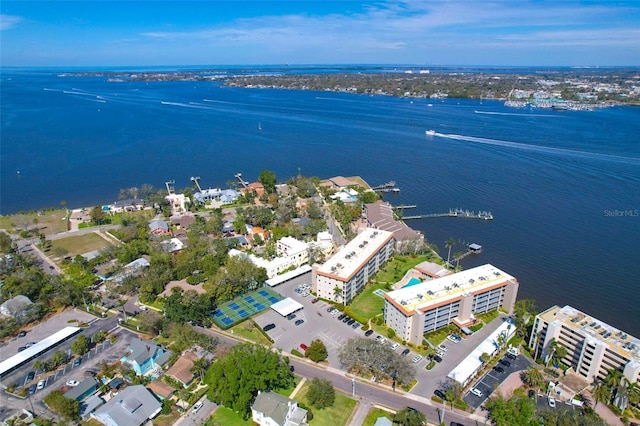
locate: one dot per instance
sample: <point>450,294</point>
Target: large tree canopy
<point>235,379</point>
<point>368,356</point>
<point>268,179</point>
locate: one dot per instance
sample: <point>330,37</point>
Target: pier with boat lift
<point>386,187</point>
<point>457,212</point>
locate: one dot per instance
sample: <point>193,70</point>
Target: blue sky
<point>468,32</point>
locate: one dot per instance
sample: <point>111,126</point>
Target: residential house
<point>133,406</point>
<point>159,227</point>
<point>273,409</point>
<point>15,306</point>
<point>181,370</point>
<point>128,205</point>
<point>171,246</point>
<point>146,356</point>
<point>132,269</point>
<point>161,389</point>
<point>84,390</point>
<point>90,405</point>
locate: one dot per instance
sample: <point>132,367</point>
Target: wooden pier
<point>242,181</point>
<point>386,187</point>
<point>467,214</point>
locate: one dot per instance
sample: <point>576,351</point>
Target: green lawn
<point>336,415</point>
<point>373,415</point>
<point>226,417</point>
<point>366,304</point>
<point>395,268</point>
<point>51,221</point>
<point>249,331</point>
<point>79,244</point>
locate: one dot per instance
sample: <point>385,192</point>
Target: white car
<point>476,392</point>
<point>395,346</point>
<point>454,338</point>
<point>552,403</point>
<point>416,359</point>
<point>441,348</point>
<point>41,384</point>
<point>197,406</point>
<point>381,340</point>
<point>73,383</point>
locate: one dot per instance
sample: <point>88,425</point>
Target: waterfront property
<point>380,216</point>
<point>420,308</point>
<point>593,347</point>
<point>346,273</point>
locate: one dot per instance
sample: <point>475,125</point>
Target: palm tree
<point>533,377</point>
<point>39,365</point>
<point>337,292</point>
<point>560,353</point>
<point>601,392</point>
<point>200,367</point>
<point>449,243</point>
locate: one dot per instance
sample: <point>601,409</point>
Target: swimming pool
<point>412,281</point>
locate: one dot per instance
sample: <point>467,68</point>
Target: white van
<point>476,392</point>
<point>197,406</point>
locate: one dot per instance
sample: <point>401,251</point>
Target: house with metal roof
<point>131,407</point>
<point>146,356</point>
<point>14,306</point>
<point>84,390</point>
<point>273,409</point>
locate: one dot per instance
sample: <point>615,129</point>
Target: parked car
<point>437,358</point>
<point>476,392</point>
<point>406,352</point>
<point>21,348</point>
<point>368,333</point>
<point>28,345</point>
<point>77,361</point>
<point>341,316</point>
<point>330,309</point>
<point>351,321</point>
<point>73,383</point>
<point>269,327</point>
<point>197,406</point>
<point>441,348</point>
<point>454,338</point>
<point>41,384</point>
<point>303,346</point>
<point>440,394</point>
<point>380,339</point>
<point>31,375</point>
<point>395,346</point>
<point>291,316</point>
<point>455,424</point>
<point>32,389</point>
<point>499,369</point>
<point>314,300</point>
<point>22,334</point>
<point>416,359</point>
<point>346,319</point>
<point>552,403</point>
<point>299,322</point>
<point>355,325</point>
<point>505,363</point>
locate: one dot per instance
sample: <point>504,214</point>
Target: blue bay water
<point>564,187</point>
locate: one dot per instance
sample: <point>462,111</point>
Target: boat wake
<point>542,149</point>
<point>516,114</point>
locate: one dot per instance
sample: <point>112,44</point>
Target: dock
<point>386,187</point>
<point>242,181</point>
<point>457,212</point>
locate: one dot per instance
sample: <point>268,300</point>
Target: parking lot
<point>493,378</point>
<point>318,323</point>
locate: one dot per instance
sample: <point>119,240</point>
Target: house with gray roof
<point>133,406</point>
<point>159,227</point>
<point>14,306</point>
<point>146,356</point>
<point>128,205</point>
<point>273,409</point>
<point>84,390</point>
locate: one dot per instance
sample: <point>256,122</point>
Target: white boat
<point>430,132</point>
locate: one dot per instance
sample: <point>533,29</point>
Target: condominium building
<point>593,347</point>
<point>423,306</point>
<point>346,273</point>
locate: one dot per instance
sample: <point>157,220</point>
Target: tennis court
<point>238,309</point>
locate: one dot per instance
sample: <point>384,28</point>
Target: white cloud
<point>9,21</point>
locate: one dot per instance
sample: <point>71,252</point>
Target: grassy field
<point>367,304</point>
<point>50,222</point>
<point>336,415</point>
<point>395,268</point>
<point>167,419</point>
<point>79,244</point>
<point>373,415</point>
<point>226,417</point>
<point>248,330</point>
